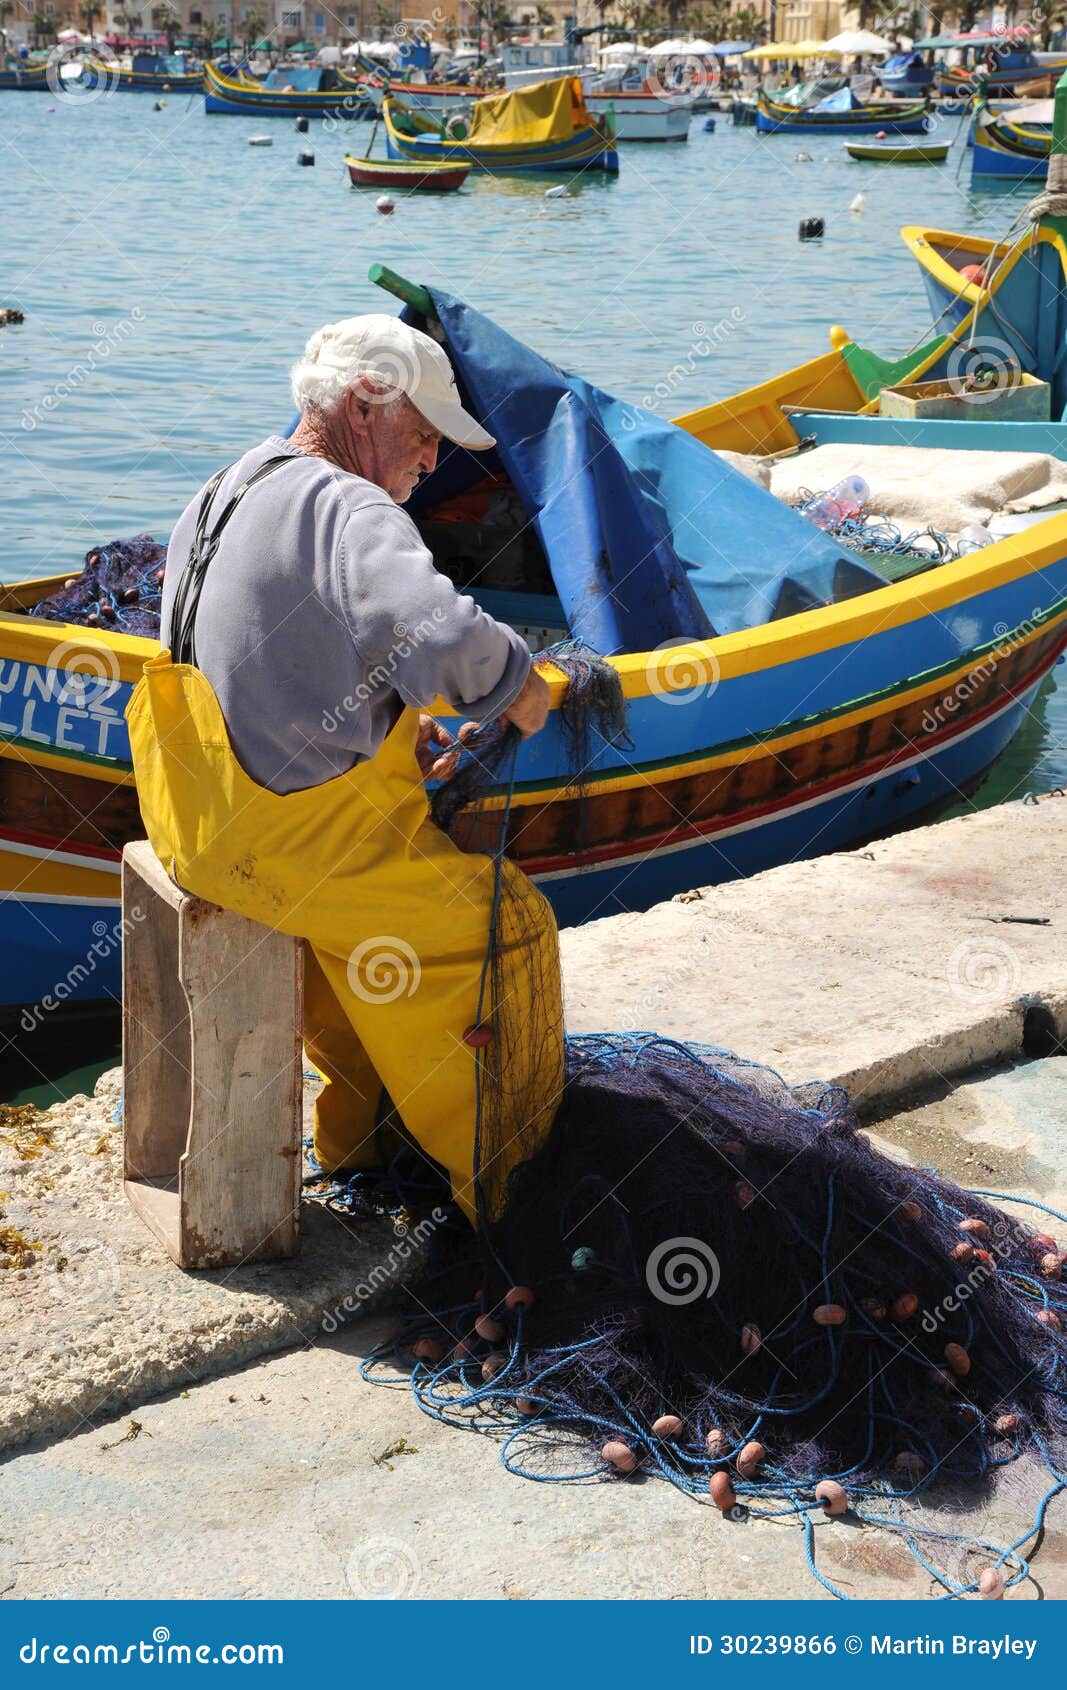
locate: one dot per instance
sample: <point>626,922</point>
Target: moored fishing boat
<point>292,91</point>
<point>999,61</point>
<point>841,114</point>
<point>147,73</point>
<point>543,127</point>
<point>397,173</point>
<point>1015,146</point>
<point>884,152</point>
<point>19,74</point>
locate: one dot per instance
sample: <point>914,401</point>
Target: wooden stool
<point>212,1073</point>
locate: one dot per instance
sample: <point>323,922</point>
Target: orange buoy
<point>744,1194</point>
<point>975,1227</point>
<point>1050,1265</point>
<point>962,1253</point>
<point>905,1306</point>
<point>1040,1244</point>
<point>428,1349</point>
<point>620,1455</point>
<point>872,1307</point>
<point>733,1147</point>
<point>461,1349</point>
<point>750,1460</point>
<point>751,1340</point>
<point>1051,1320</point>
<point>958,1360</point>
<point>478,1036</point>
<point>912,1211</point>
<point>722,1491</point>
<point>1006,1424</point>
<point>519,1297</point>
<point>973,273</point>
<point>668,1426</point>
<point>910,1461</point>
<point>832,1496</point>
<point>829,1314</point>
<point>489,1328</point>
<point>716,1442</point>
<point>493,1364</point>
<point>525,1406</point>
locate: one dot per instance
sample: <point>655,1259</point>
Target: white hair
<point>336,356</point>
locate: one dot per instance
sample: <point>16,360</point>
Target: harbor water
<point>169,274</point>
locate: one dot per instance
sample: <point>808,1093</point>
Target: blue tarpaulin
<point>842,100</point>
<point>650,536</point>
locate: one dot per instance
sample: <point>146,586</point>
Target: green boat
<point>882,152</point>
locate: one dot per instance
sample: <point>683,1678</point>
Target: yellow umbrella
<point>792,50</point>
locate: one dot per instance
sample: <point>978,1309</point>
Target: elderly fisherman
<point>280,755</point>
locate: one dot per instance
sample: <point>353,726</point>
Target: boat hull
<point>243,97</point>
<point>96,74</point>
<point>390,173</point>
<point>725,776</point>
<point>877,153</point>
<point>773,119</point>
<point>32,80</point>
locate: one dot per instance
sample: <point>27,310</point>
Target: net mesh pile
<point>120,588</point>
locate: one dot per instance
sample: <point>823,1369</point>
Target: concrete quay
<point>892,970</point>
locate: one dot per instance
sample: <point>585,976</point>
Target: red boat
<point>400,173</point>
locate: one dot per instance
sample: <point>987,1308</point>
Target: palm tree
<point>89,14</point>
<point>6,9</point>
<point>166,19</point>
<point>127,19</point>
<point>252,28</point>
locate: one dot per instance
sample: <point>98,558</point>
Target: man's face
<point>394,444</point>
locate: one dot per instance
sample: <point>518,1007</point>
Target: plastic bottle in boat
<point>972,539</point>
<point>846,498</point>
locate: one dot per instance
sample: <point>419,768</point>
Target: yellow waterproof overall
<point>396,920</point>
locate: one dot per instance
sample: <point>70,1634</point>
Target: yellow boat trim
<point>939,688</point>
<point>51,877</point>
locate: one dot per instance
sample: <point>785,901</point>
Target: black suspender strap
<point>201,552</point>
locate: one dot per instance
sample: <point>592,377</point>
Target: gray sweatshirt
<point>322,615</point>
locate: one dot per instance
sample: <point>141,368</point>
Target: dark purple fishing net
<point>120,588</point>
<point>698,1244</point>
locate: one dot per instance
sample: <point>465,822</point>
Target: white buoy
<point>858,203</point>
<point>557,193</point>
<point>385,204</point>
<point>261,140</point>
<point>803,158</point>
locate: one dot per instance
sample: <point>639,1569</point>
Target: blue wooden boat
<point>1008,147</point>
<point>541,127</point>
<point>27,78</point>
<point>997,62</point>
<point>150,73</point>
<point>287,91</point>
<point>840,114</point>
<point>906,75</point>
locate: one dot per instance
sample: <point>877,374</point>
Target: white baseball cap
<point>400,357</point>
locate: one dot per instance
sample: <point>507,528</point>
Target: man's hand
<point>530,710</point>
<point>436,751</point>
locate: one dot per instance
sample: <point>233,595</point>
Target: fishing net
<point>707,1275</point>
<point>120,588</point>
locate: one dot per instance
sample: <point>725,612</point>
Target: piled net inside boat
<point>709,1276</point>
<point>120,588</point>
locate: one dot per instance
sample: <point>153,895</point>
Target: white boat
<point>644,107</point>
